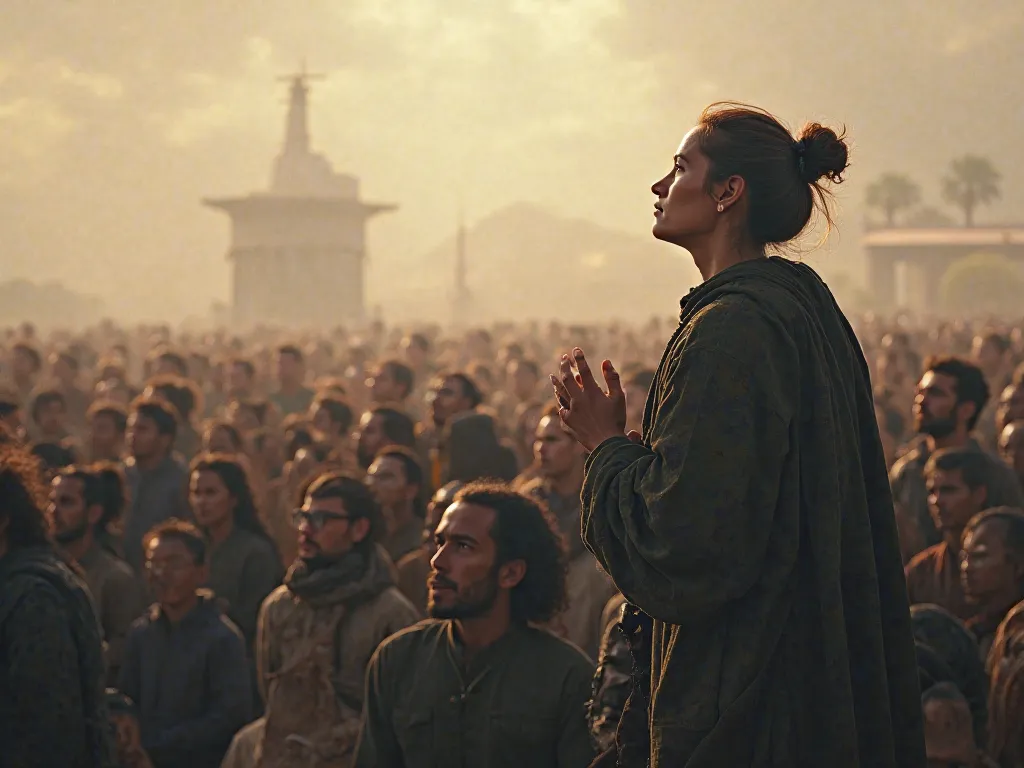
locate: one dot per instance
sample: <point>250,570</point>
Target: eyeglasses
<point>315,519</point>
<point>173,565</point>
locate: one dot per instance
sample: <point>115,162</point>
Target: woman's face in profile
<point>684,209</point>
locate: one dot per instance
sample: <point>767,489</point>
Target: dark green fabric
<point>518,703</point>
<point>755,527</point>
<point>53,710</point>
<point>244,569</point>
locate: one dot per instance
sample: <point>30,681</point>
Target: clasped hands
<point>589,413</point>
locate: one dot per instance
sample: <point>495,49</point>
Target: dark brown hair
<point>971,386</point>
<point>160,412</point>
<point>413,474</point>
<point>176,360</point>
<point>293,351</point>
<point>338,409</point>
<point>398,427</point>
<point>783,174</point>
<point>183,395</point>
<point>103,483</point>
<point>22,498</point>
<point>524,530</point>
<point>354,495</point>
<point>235,479</point>
<point>116,412</point>
<point>179,530</point>
<point>470,390</point>
<point>1013,529</point>
<point>44,398</point>
<point>973,465</point>
<point>401,373</point>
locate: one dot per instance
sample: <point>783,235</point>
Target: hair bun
<point>825,154</point>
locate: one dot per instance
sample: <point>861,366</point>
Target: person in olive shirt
<point>84,503</point>
<point>245,566</point>
<point>396,479</point>
<point>477,685</point>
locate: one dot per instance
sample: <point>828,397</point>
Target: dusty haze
<point>117,117</point>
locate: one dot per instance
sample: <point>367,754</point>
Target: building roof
<point>260,203</point>
<point>949,236</point>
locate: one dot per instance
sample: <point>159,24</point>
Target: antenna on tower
<point>296,125</point>
<point>302,76</point>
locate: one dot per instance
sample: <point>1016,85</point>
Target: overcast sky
<point>116,116</point>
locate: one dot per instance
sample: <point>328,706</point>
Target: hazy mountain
<point>47,305</point>
<point>525,261</point>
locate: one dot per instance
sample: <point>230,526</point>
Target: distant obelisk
<point>298,249</point>
<point>461,298</point>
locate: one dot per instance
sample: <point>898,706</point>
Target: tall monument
<point>298,249</point>
<point>461,297</point>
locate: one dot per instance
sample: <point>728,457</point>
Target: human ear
<point>360,529</point>
<point>728,192</point>
<point>511,573</point>
<point>966,411</point>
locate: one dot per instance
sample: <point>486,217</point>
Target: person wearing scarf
<point>317,631</point>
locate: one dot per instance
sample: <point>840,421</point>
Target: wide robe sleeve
<point>682,526</point>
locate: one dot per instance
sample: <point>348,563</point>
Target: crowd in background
<point>279,531</point>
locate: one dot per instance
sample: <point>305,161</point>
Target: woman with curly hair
<point>519,691</point>
<point>52,706</point>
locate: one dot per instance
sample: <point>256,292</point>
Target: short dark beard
<point>72,535</point>
<point>364,460</point>
<point>468,609</point>
<point>937,428</point>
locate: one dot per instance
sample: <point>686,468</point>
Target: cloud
<point>31,133</point>
<point>94,83</point>
<point>980,31</point>
<point>214,105</point>
<point>574,104</point>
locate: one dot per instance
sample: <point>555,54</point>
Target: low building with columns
<point>905,266</point>
<point>298,250</point>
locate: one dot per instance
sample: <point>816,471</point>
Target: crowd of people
<point>335,549</point>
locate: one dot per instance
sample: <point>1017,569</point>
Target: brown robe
<point>312,654</point>
<point>933,576</point>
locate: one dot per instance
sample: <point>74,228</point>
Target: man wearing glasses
<point>184,661</point>
<point>318,630</point>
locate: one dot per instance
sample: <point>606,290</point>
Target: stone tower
<point>298,249</point>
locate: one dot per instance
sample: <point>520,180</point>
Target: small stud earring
<point>721,207</point>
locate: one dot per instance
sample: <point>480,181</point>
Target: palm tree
<point>972,181</point>
<point>891,194</point>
